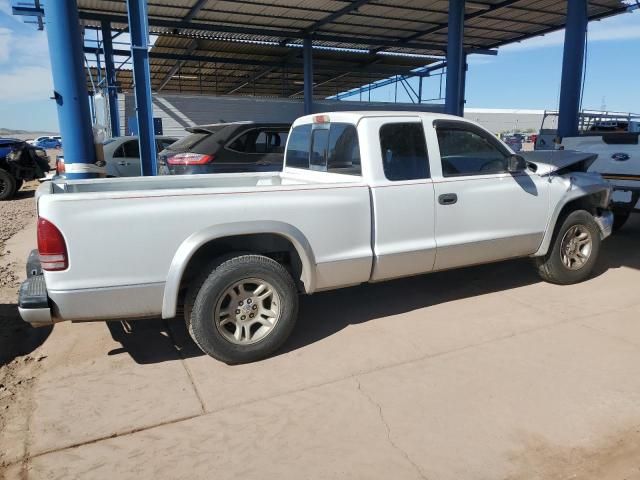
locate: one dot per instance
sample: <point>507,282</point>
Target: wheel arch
<point>208,243</point>
<point>573,200</point>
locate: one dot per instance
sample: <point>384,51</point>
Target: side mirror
<point>516,163</point>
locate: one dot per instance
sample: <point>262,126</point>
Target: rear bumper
<point>33,300</point>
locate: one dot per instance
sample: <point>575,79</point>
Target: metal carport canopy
<point>252,47</point>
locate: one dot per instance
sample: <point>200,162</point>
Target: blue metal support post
<point>308,75</point>
<point>139,31</point>
<point>455,58</point>
<point>112,89</point>
<point>70,87</point>
<point>572,67</point>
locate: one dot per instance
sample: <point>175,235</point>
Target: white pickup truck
<point>363,197</point>
<point>618,162</point>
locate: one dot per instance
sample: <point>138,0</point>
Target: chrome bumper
<point>33,300</point>
<point>605,223</point>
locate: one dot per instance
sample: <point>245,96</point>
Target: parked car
<point>363,197</point>
<point>47,142</point>
<point>227,147</point>
<point>122,155</point>
<point>515,142</point>
<point>19,162</point>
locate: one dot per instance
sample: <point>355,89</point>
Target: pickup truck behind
<point>618,162</point>
<point>363,197</point>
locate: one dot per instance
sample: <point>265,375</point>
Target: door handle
<point>447,199</point>
<point>122,163</point>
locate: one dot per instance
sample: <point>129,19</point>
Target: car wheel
<point>573,251</point>
<point>244,309</point>
<point>619,219</point>
<point>7,185</point>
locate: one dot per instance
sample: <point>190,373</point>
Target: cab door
<point>483,212</point>
<point>402,199</point>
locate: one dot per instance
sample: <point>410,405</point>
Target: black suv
<point>226,148</point>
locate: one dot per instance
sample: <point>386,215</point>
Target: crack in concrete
<point>371,400</point>
<point>185,366</point>
<point>429,356</point>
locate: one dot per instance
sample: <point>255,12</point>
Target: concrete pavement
<point>479,373</point>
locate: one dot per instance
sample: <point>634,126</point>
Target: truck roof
<point>355,116</point>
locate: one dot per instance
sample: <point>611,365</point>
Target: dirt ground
<point>481,373</point>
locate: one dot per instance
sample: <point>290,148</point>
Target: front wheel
<point>7,185</point>
<point>243,310</point>
<point>573,252</point>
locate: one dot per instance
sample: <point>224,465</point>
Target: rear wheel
<point>573,251</point>
<point>243,310</point>
<point>7,185</point>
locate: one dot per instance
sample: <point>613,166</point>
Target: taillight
<point>60,168</point>
<point>189,158</point>
<point>51,247</point>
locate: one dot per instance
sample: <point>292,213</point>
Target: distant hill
<point>9,131</point>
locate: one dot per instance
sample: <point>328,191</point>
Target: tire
<point>220,303</point>
<point>7,185</point>
<point>552,268</point>
<point>619,219</point>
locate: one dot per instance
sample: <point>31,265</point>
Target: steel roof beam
<point>262,31</point>
<point>321,64</point>
<point>176,67</point>
<point>193,11</point>
<point>305,32</point>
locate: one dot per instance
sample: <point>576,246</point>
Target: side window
<point>243,143</point>
<point>344,152</point>
<point>131,149</point>
<point>467,152</point>
<point>262,143</point>
<point>319,142</point>
<point>297,154</point>
<point>278,141</point>
<point>118,152</point>
<point>404,151</point>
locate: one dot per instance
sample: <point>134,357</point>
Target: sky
<point>523,75</point>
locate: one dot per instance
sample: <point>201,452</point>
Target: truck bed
<point>163,183</point>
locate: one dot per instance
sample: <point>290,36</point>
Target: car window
<point>164,143</point>
<point>189,141</point>
<point>343,151</point>
<point>131,149</point>
<point>465,151</point>
<point>297,154</point>
<point>319,144</point>
<point>244,143</point>
<point>404,151</point>
<point>279,140</point>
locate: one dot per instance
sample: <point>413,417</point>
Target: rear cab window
<point>327,147</point>
<point>404,151</point>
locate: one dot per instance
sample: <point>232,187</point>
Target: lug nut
<point>251,315</point>
<point>254,307</point>
<point>242,317</point>
<point>240,303</point>
<point>238,312</point>
<point>249,301</point>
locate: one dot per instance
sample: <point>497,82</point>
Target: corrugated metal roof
<point>248,46</point>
